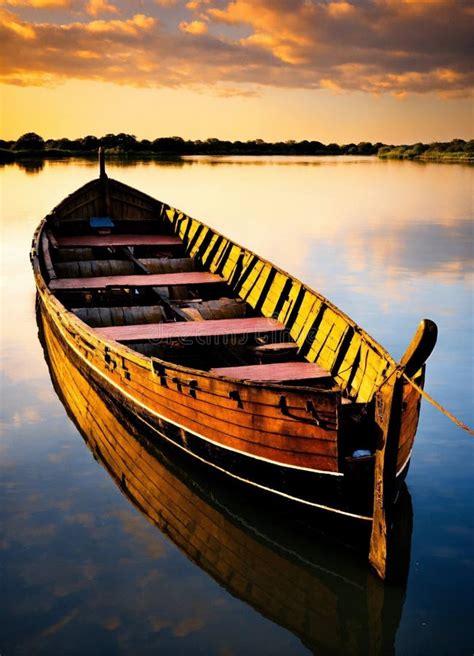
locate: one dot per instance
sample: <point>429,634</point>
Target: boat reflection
<point>260,553</point>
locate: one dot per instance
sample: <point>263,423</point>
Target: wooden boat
<point>322,594</point>
<point>227,356</point>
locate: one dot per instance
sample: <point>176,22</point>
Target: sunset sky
<point>396,71</point>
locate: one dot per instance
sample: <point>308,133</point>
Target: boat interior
<point>133,282</point>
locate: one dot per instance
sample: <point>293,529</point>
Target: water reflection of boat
<point>228,357</point>
<point>322,594</point>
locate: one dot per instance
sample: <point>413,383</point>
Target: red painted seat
<point>139,280</point>
<point>190,329</point>
<point>275,373</point>
<point>98,241</point>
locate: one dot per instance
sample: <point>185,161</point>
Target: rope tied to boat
<point>437,405</point>
<point>399,369</point>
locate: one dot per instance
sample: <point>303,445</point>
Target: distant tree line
<point>457,149</point>
<point>32,145</point>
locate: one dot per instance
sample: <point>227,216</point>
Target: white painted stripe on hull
<point>405,463</point>
<point>245,480</point>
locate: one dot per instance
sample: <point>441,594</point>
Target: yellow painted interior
<point>323,347</point>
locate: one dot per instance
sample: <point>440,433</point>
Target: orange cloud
<point>196,5</point>
<point>133,26</point>
<point>36,4</point>
<point>375,46</point>
<point>194,27</point>
<point>96,7</point>
<point>15,26</point>
<point>87,54</point>
<point>340,8</point>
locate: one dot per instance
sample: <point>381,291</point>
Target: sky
<point>396,71</point>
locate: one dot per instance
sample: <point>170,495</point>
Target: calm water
<point>83,571</point>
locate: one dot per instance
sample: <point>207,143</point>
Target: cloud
<point>194,27</point>
<point>135,51</point>
<point>12,26</point>
<point>96,7</point>
<point>377,46</point>
<point>374,46</point>
<point>36,4</point>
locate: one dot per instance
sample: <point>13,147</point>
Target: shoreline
<point>12,157</point>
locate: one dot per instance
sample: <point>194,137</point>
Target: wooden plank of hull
<point>409,421</point>
<point>47,258</point>
<point>268,430</point>
<point>309,453</point>
<point>190,329</point>
<point>104,241</point>
<point>152,280</point>
<point>245,433</point>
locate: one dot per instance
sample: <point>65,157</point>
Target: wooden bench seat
<point>191,329</point>
<point>276,373</point>
<point>139,280</point>
<point>102,241</point>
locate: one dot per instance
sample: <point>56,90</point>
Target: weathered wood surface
<point>120,316</point>
<point>122,201</point>
<point>167,264</point>
<point>48,262</point>
<point>275,372</point>
<point>396,416</point>
<point>276,346</point>
<point>388,406</point>
<point>191,329</point>
<point>95,268</point>
<point>420,347</point>
<point>411,400</point>
<point>103,241</point>
<point>152,280</point>
<point>222,308</point>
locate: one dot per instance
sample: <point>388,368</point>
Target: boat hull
<point>344,494</point>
